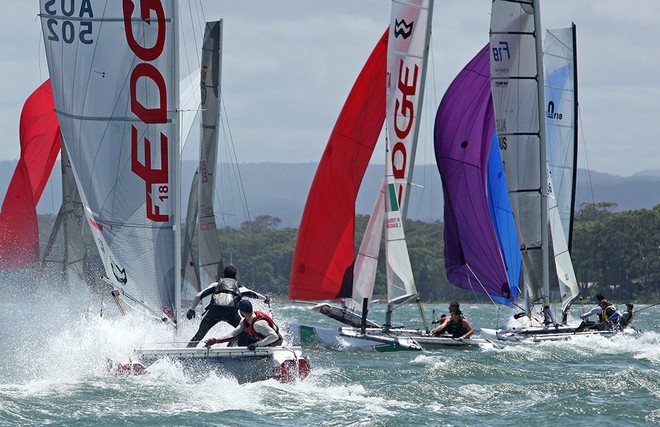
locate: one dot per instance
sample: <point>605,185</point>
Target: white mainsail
<point>561,122</point>
<point>124,151</point>
<point>200,218</point>
<point>561,118</point>
<point>518,101</point>
<point>407,55</point>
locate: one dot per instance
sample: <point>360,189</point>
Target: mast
<point>177,176</point>
<point>545,252</point>
<point>575,137</point>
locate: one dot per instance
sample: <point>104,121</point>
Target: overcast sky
<point>289,65</point>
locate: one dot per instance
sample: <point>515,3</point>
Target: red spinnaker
<point>324,256</point>
<point>40,145</point>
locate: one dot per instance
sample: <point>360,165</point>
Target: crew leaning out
<point>259,326</point>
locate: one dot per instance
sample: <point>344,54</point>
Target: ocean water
<point>54,347</point>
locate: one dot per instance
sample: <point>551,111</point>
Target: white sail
<point>568,285</point>
<point>124,151</point>
<point>366,262</point>
<point>203,266</point>
<point>560,112</point>
<point>400,280</point>
<point>515,69</point>
<point>210,263</point>
<point>407,56</point>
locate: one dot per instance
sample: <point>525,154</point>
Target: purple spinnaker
<point>464,127</point>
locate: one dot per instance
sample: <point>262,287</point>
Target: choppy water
<point>53,352</point>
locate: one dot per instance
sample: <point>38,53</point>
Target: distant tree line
<point>616,254</point>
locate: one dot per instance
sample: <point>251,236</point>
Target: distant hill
<point>280,190</point>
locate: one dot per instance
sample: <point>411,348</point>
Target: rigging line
<point>586,156</point>
<point>232,153</point>
<point>478,281</point>
<point>642,309</point>
<point>201,8</point>
<point>196,47</point>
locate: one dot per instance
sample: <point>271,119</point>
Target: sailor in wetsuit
<point>627,316</point>
<point>259,326</point>
<point>456,325</point>
<point>225,295</point>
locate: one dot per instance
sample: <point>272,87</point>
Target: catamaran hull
<point>533,335</point>
<point>350,339</point>
<point>281,363</point>
<point>346,339</point>
<point>422,339</point>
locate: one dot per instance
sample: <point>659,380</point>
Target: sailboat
<point>114,75</point>
<point>527,128</point>
<point>481,245</point>
<point>325,267</point>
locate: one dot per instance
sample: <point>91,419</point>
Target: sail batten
<point>515,70</point>
<point>125,151</point>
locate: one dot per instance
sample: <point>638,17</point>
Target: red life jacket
<point>249,327</point>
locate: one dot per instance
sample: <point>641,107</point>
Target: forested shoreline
<point>614,253</point>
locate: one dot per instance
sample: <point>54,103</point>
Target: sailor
<point>225,295</point>
<point>456,325</point>
<point>611,315</point>
<point>260,326</point>
<point>627,316</point>
<point>596,310</point>
<point>452,305</point>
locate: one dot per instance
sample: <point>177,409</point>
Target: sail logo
<point>148,77</point>
<point>404,118</point>
<point>62,29</point>
<point>500,126</point>
<point>499,51</point>
<point>403,29</point>
<point>550,112</point>
<point>119,273</point>
<point>203,172</point>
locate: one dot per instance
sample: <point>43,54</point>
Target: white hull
<point>533,335</point>
<point>351,339</point>
<point>281,363</point>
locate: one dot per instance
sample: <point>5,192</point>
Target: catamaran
<point>528,128</point>
<point>390,87</point>
<point>115,80</point>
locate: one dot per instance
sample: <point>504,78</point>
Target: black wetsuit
<point>455,329</point>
